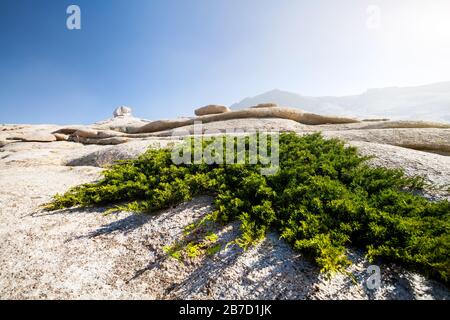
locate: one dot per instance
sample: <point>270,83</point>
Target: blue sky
<point>165,58</point>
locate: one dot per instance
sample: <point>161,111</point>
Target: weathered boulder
<point>122,111</point>
<point>61,137</point>
<point>90,135</point>
<point>211,109</point>
<point>161,125</point>
<point>86,133</point>
<point>71,129</point>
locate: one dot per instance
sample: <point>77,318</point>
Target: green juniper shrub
<point>323,199</point>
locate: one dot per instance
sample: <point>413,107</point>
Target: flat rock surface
<point>82,254</point>
<point>435,168</point>
<point>237,125</point>
<point>437,140</point>
<point>109,155</point>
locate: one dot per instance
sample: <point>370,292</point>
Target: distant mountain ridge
<point>428,102</point>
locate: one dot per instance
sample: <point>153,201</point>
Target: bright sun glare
<point>425,25</point>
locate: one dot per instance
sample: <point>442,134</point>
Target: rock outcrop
<point>73,247</point>
<point>61,137</point>
<point>123,121</point>
<point>274,112</point>
<point>109,155</point>
<point>211,109</point>
<point>122,111</point>
<point>120,124</point>
<point>428,139</point>
<point>124,127</point>
<point>433,167</point>
<point>403,124</point>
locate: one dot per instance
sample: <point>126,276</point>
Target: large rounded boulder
<point>211,109</point>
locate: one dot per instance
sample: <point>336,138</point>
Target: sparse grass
<point>323,199</point>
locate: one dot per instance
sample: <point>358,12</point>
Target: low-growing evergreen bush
<point>323,199</point>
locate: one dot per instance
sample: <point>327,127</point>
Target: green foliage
<point>323,199</point>
<point>197,241</point>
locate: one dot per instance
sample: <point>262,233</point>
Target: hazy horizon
<point>165,58</point>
